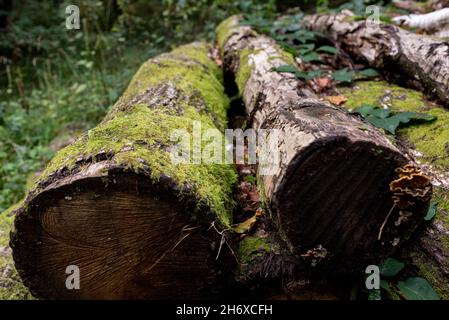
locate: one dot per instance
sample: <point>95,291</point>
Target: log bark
<point>330,195</point>
<point>136,225</point>
<point>421,59</point>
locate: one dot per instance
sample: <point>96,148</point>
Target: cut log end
<point>127,242</point>
<point>337,201</point>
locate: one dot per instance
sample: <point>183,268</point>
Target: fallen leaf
<point>336,100</point>
<point>246,225</point>
<point>323,82</point>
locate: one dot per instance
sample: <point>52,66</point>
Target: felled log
<point>331,195</point>
<point>427,254</point>
<point>11,286</point>
<point>421,59</point>
<point>114,204</point>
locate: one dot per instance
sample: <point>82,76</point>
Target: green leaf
<point>388,124</point>
<point>385,285</point>
<point>289,49</point>
<point>313,74</point>
<point>327,49</point>
<point>365,109</point>
<point>250,179</point>
<point>286,68</point>
<point>343,76</point>
<point>405,117</point>
<point>431,212</point>
<point>370,110</point>
<point>391,267</point>
<point>305,48</point>
<point>417,289</point>
<point>311,56</point>
<point>370,72</point>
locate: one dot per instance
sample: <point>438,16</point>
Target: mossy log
<point>420,60</point>
<point>331,194</point>
<point>114,204</point>
<point>428,253</point>
<point>11,286</point>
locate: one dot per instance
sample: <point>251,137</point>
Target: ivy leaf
<point>311,56</point>
<point>289,48</point>
<point>389,124</point>
<point>306,48</point>
<point>405,117</point>
<point>291,69</point>
<point>343,76</point>
<point>382,118</point>
<point>431,212</point>
<point>313,74</point>
<point>304,35</point>
<point>369,73</point>
<point>368,109</point>
<point>391,267</point>
<point>327,49</point>
<point>417,289</point>
<point>298,74</point>
<point>286,68</point>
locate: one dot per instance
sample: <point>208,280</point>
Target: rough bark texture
<point>330,195</point>
<point>115,205</point>
<point>428,253</point>
<point>423,60</point>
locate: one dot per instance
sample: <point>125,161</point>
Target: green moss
<point>245,69</point>
<point>429,268</point>
<point>283,55</point>
<point>11,287</point>
<point>252,247</point>
<point>225,30</point>
<point>190,70</point>
<point>136,135</point>
<point>430,138</point>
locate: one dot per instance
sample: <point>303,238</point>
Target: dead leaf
<point>246,225</point>
<point>336,100</point>
<point>323,82</point>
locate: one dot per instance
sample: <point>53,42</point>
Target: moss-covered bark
<point>123,161</point>
<point>429,142</point>
<point>167,93</point>
<point>11,287</point>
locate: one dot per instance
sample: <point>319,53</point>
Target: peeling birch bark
<point>422,59</point>
<point>330,195</point>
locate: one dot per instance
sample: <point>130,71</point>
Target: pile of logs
<point>138,226</point>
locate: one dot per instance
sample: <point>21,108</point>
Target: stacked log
<point>135,224</point>
<point>331,193</point>
<point>114,205</point>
